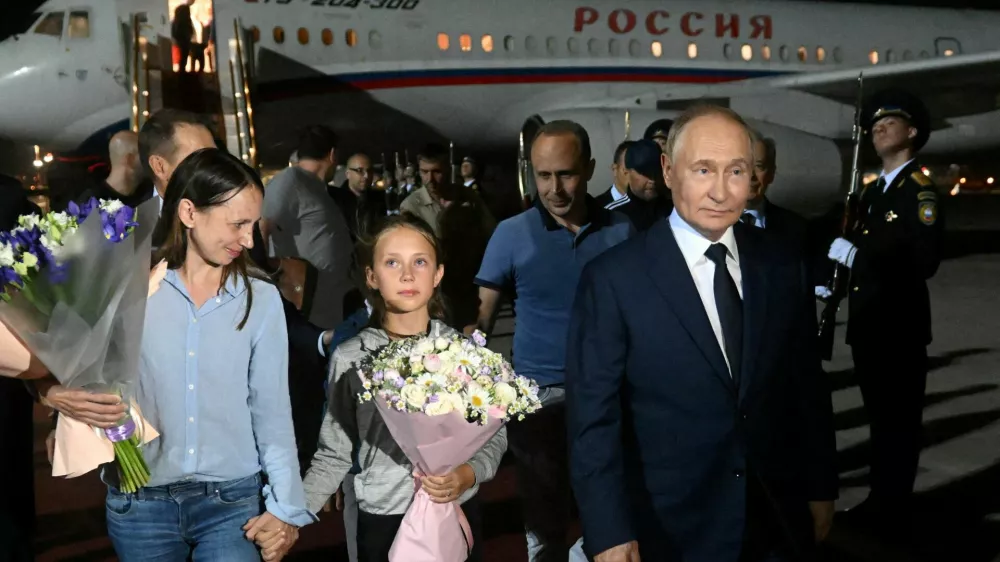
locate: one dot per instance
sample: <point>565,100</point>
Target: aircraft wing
<point>951,87</point>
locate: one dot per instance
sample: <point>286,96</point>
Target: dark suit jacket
<point>662,443</point>
<point>605,198</point>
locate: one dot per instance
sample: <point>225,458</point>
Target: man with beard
<point>648,197</point>
<point>538,256</point>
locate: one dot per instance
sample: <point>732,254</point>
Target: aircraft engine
<point>810,171</point>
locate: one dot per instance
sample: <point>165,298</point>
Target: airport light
<point>962,180</point>
<point>989,181</point>
<point>48,158</point>
<point>926,171</point>
<point>37,163</point>
<point>955,190</point>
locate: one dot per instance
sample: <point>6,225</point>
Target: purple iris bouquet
<point>73,290</point>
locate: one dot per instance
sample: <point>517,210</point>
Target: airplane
<point>392,74</point>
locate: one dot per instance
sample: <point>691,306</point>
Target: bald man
<point>125,182</point>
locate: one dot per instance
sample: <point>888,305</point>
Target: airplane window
<point>550,45</point>
<point>746,51</point>
<point>765,52</point>
<point>279,35</point>
<point>803,54</point>
<point>907,55</point>
<point>374,39</point>
<point>531,44</point>
<point>594,46</point>
<point>783,52</point>
<point>255,34</point>
<point>51,24</point>
<point>351,37</point>
<point>727,51</point>
<point>692,50</point>
<point>837,55</point>
<point>873,57</point>
<point>573,46</point>
<point>634,48</point>
<point>487,43</point>
<point>508,43</point>
<point>890,56</point>
<point>657,49</point>
<point>443,42</point>
<point>820,54</point>
<point>614,48</point>
<point>465,42</point>
<point>327,37</point>
<point>79,25</point>
<point>303,36</point>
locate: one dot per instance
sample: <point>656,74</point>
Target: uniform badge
<point>927,212</point>
<point>927,196</point>
<point>891,216</point>
<point>921,179</point>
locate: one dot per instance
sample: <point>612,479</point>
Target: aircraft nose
<point>21,85</point>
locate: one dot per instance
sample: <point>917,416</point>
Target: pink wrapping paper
<point>15,359</point>
<point>81,448</point>
<point>435,445</point>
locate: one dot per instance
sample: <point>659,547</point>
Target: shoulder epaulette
<point>921,179</point>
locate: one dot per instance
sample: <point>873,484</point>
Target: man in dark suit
<point>648,197</point>
<point>617,194</point>
<point>700,423</point>
<point>777,221</point>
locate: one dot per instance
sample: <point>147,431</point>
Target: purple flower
<point>118,225</point>
<point>479,337</point>
<point>81,212</point>
<point>400,383</point>
<point>434,398</point>
<point>378,376</point>
<point>28,238</point>
<point>485,371</point>
<point>8,277</point>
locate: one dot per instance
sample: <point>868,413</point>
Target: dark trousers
<point>17,507</point>
<point>376,533</point>
<point>185,52</point>
<point>541,453</point>
<point>893,378</point>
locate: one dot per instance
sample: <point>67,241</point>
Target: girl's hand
<point>451,486</point>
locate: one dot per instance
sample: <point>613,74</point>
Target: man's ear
<point>667,167</point>
<point>589,171</point>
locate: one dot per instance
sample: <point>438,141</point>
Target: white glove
<point>823,292</point>
<point>843,251</point>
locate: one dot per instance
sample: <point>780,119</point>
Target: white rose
<point>415,396</point>
<point>454,399</point>
<point>425,347</point>
<point>505,393</point>
<point>439,408</point>
<point>441,344</point>
<point>112,206</point>
<point>6,255</point>
<point>455,347</point>
<point>59,219</point>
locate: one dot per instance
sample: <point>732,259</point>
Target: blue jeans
<point>198,521</point>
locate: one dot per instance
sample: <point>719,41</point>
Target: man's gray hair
<point>567,127</point>
<point>703,110</point>
<point>770,149</point>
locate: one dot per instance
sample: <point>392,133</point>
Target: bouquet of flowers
<point>442,399</point>
<point>74,293</point>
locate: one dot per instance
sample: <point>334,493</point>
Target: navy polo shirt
<point>541,262</point>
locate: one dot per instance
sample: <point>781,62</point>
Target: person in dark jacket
<point>649,198</point>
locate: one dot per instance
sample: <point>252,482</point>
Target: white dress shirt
<point>693,246</point>
<point>890,176</point>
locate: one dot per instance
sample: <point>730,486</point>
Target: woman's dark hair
<point>208,177</point>
<point>366,260</point>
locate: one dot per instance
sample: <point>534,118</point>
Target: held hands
<point>843,252</point>
<point>98,410</point>
<point>628,552</point>
<point>273,536</point>
<point>823,292</point>
<point>451,486</point>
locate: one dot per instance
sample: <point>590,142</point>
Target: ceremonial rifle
<point>841,274</point>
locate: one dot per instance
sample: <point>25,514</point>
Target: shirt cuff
<point>293,515</point>
<point>319,345</point>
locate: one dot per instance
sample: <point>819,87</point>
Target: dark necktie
<point>730,307</point>
<point>749,220</point>
<point>872,194</point>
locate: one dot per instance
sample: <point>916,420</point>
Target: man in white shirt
<point>700,422</point>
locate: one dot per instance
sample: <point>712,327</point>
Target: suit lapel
<point>755,287</point>
<point>672,277</point>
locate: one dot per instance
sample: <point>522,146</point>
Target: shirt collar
<point>597,216</point>
<point>617,195</point>
<point>693,245</point>
<point>233,287</point>
<point>891,176</point>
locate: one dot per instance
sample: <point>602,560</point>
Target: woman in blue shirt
<point>213,379</point>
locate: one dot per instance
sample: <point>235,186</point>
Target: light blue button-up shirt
<point>218,395</point>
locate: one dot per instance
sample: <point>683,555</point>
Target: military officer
<point>894,250</point>
<point>657,131</point>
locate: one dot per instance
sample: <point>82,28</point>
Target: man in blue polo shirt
<point>538,255</point>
